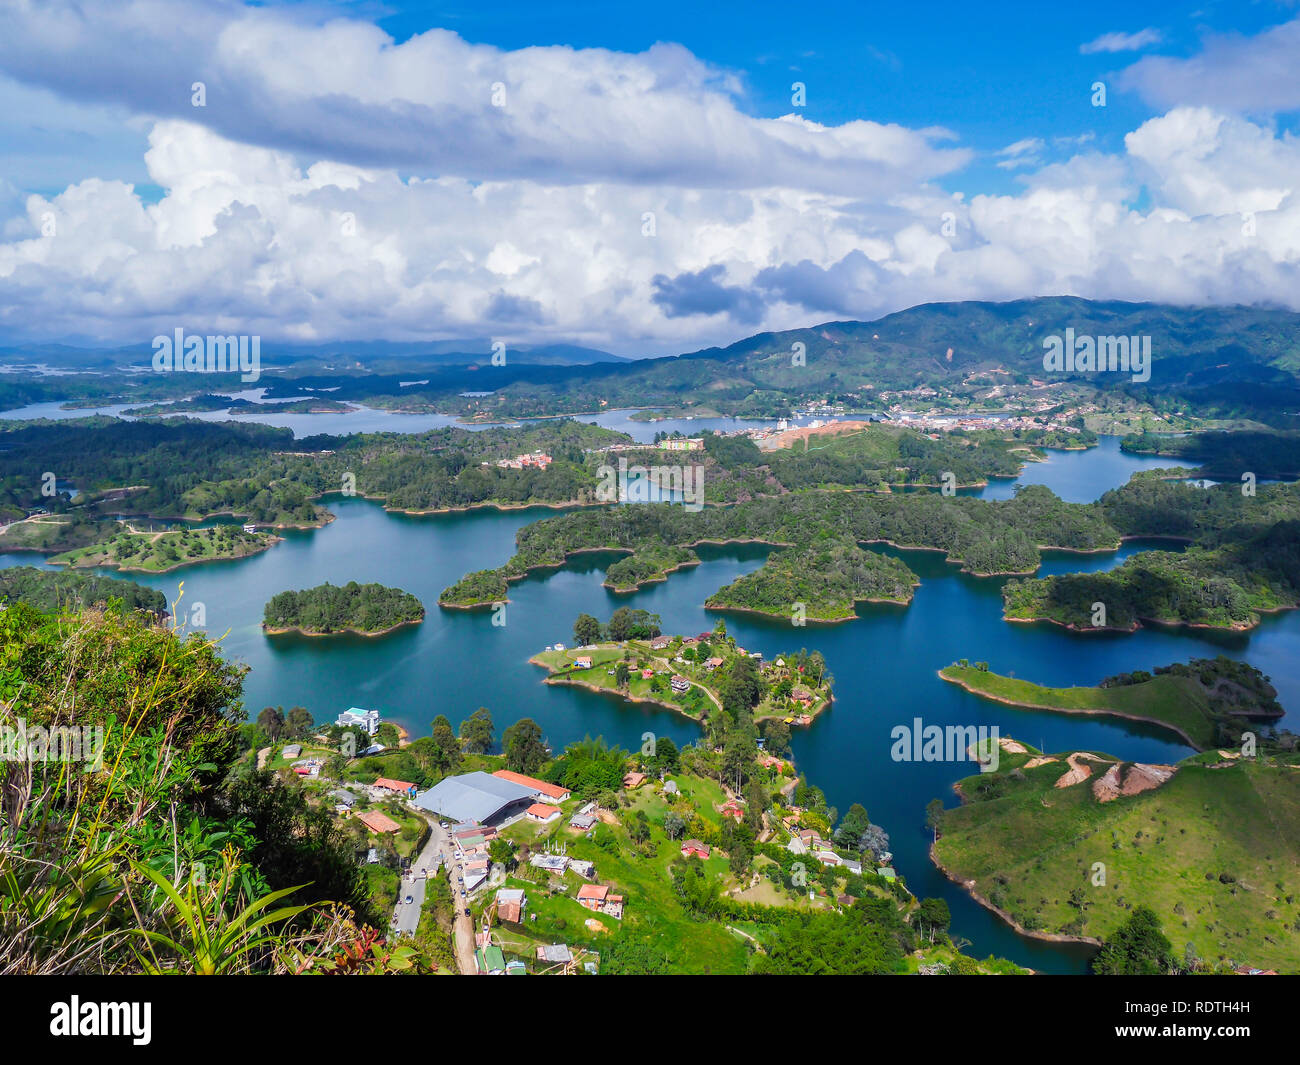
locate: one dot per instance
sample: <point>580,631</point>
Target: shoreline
<point>1088,711</point>
<point>267,631</point>
<point>755,611</point>
<point>70,566</point>
<point>969,887</point>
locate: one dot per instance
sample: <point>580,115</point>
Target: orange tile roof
<point>540,809</point>
<point>377,822</point>
<point>539,786</point>
<point>593,891</point>
<point>393,785</point>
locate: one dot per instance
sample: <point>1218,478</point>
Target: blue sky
<point>993,73</point>
<point>645,181</point>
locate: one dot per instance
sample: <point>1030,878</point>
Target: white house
<point>358,718</point>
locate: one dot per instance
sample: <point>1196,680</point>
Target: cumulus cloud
<point>244,239</point>
<point>1122,42</point>
<point>346,91</point>
<point>563,221</point>
<point>1258,74</point>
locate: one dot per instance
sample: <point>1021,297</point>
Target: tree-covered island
<point>328,609</point>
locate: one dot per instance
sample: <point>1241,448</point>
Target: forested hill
<point>1224,357</point>
<point>49,591</point>
<point>1233,361</point>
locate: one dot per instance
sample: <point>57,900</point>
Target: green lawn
<point>643,877</point>
<point>1177,702</point>
<point>1215,852</point>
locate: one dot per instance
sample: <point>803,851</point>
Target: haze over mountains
<point>1220,358</point>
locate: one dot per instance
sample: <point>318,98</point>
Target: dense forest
<point>822,582</point>
<point>185,468</point>
<point>1225,455</point>
<point>49,591</point>
<point>1244,558</point>
<point>1001,536</point>
<point>353,607</point>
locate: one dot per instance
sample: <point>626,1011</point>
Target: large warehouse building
<point>479,797</point>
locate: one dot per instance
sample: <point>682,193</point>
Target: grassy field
<point>1178,703</point>
<point>641,875</point>
<point>1215,852</point>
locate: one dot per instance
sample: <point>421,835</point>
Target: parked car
<point>466,911</point>
<point>409,899</point>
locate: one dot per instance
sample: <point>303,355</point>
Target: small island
<point>132,550</point>
<point>700,676</point>
<point>328,610</point>
<point>821,582</point>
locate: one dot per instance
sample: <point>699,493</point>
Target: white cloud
<point>344,90</point>
<point>339,185</point>
<point>1122,42</point>
<point>245,238</point>
<point>1259,74</point>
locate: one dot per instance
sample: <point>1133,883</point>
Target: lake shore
<point>368,633</point>
<point>1083,711</point>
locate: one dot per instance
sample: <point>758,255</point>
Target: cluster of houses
<point>807,841</point>
<point>470,841</point>
<point>536,460</point>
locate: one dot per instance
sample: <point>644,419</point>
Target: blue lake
<point>884,662</point>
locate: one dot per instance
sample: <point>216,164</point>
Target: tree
<point>741,687</point>
<point>876,840</point>
<point>586,630</point>
<point>446,748</point>
<point>620,625</point>
<point>638,827</point>
<point>934,814</point>
<point>523,746</point>
<point>300,722</point>
<point>502,852</point>
<point>776,736</point>
<point>666,757</point>
<point>934,916</point>
<point>271,721</point>
<point>622,674</point>
<point>853,827</point>
<point>476,731</point>
<point>1137,948</point>
<point>674,824</point>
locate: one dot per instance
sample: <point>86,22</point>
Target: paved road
<point>406,916</point>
